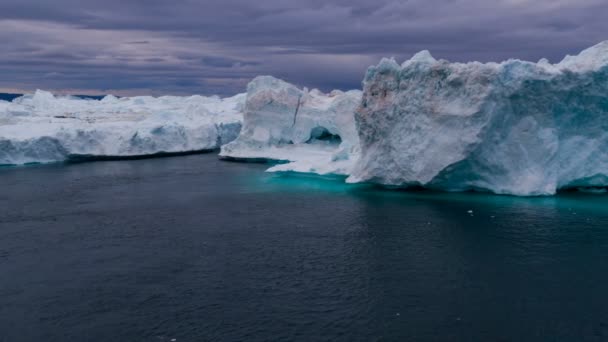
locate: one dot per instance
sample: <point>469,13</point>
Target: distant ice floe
<point>42,128</point>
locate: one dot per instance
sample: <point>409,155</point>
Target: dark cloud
<point>216,46</point>
<point>224,62</point>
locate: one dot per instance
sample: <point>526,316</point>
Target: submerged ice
<point>43,128</point>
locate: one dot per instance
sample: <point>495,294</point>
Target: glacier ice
<point>514,127</point>
<point>314,132</point>
<point>43,128</point>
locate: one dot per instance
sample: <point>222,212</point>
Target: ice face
<point>43,128</point>
<point>315,132</point>
<point>515,128</point>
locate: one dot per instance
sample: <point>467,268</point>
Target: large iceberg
<point>312,131</point>
<point>515,127</point>
<point>42,128</point>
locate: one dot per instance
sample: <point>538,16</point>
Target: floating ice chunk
<point>314,131</point>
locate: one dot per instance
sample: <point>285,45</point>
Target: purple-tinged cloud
<point>189,46</point>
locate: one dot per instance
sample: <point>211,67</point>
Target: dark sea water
<point>11,97</point>
<point>195,249</point>
<point>8,97</point>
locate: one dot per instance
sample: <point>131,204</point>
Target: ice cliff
<point>515,127</point>
<point>43,128</point>
<point>314,132</point>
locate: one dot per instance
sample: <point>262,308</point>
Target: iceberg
<point>42,128</point>
<point>311,131</point>
<point>515,127</point>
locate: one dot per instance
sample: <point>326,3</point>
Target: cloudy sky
<point>129,47</point>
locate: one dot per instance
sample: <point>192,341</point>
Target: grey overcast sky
<point>130,47</point>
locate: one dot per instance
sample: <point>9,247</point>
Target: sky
<point>158,47</point>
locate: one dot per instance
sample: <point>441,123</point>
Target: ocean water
<point>195,249</point>
<point>10,97</point>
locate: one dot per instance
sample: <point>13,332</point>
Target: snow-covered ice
<point>42,128</point>
<point>515,127</point>
<point>314,132</point>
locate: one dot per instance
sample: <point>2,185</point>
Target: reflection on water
<point>195,249</point>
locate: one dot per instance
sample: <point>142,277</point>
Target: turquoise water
<point>584,202</point>
<point>195,249</point>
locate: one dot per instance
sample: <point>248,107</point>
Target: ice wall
<point>42,128</point>
<point>515,128</point>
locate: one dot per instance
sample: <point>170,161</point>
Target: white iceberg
<point>42,128</point>
<point>515,127</point>
<point>312,131</point>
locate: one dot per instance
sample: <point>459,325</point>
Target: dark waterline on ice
<point>85,158</point>
<point>195,249</point>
